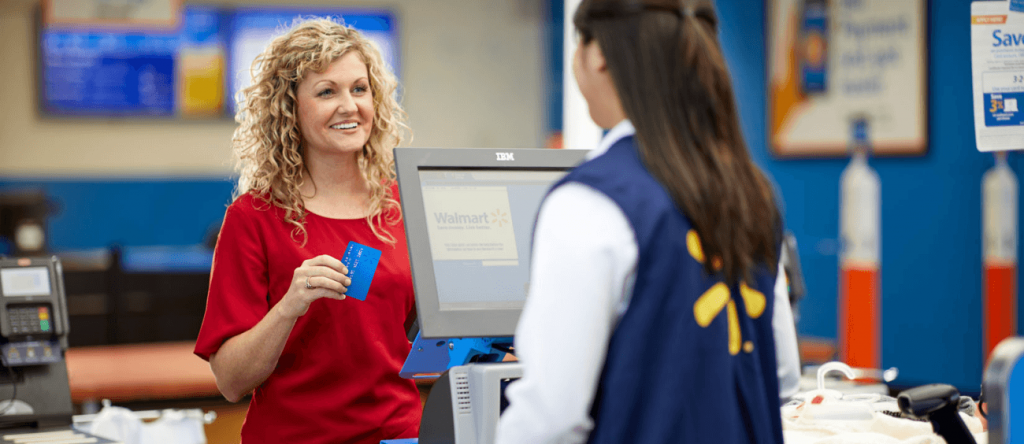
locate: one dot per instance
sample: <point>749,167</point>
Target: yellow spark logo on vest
<point>500,218</point>
<point>718,297</point>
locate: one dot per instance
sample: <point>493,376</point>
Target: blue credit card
<point>362,264</point>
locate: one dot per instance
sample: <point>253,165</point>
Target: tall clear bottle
<point>860,229</point>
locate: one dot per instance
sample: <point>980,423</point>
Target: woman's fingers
<point>327,277</point>
<point>331,294</point>
<point>326,261</point>
<point>329,273</point>
<point>320,277</point>
<point>326,283</point>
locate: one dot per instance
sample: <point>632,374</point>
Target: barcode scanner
<point>939,405</point>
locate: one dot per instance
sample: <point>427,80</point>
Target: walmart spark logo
<point>718,297</point>
<point>500,218</point>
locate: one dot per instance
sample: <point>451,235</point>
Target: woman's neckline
<point>335,218</point>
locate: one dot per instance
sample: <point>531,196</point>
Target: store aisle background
<point>478,74</point>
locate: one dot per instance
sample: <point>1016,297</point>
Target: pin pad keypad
<point>26,320</point>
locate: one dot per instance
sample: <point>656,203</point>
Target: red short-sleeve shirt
<point>337,379</point>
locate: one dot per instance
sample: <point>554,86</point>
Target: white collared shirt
<point>582,273</point>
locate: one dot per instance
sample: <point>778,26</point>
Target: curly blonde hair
<point>268,144</point>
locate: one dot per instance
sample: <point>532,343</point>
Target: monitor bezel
<point>433,321</point>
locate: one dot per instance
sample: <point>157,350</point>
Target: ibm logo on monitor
<point>505,156</point>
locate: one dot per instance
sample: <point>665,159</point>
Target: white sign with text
<point>469,223</point>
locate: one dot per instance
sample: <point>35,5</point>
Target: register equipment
<point>34,389</point>
<point>469,217</point>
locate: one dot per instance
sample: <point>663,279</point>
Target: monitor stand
<point>429,358</point>
<point>465,403</point>
<point>469,372</point>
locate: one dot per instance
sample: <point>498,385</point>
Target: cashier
<point>657,312</point>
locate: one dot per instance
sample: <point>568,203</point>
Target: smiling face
<point>335,107</point>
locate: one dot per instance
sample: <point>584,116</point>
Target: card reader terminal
<point>34,390</point>
<point>31,311</point>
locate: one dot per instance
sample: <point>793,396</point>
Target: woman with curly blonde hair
<point>314,149</point>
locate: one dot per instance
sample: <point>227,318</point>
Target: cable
<point>14,393</point>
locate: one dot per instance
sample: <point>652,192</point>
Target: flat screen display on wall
<point>250,30</point>
<point>189,71</point>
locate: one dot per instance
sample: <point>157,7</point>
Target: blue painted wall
<point>99,213</point>
<point>931,206</point>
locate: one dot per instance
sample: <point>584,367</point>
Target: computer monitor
<point>469,217</point>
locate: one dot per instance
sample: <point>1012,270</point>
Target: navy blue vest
<point>693,359</point>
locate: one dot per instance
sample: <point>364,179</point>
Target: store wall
<point>931,207</point>
<point>473,73</point>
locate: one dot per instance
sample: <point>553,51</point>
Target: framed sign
<point>831,62</point>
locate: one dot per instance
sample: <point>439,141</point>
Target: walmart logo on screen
<point>461,219</point>
<point>500,218</point>
<point>471,221</point>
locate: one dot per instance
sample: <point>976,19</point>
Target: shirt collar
<point>620,131</point>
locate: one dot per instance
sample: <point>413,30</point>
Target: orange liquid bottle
<point>999,250</point>
<point>860,227</point>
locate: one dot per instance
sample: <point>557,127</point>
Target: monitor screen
<point>191,70</point>
<point>250,29</point>
<point>479,224</point>
<point>469,220</point>
<point>135,72</point>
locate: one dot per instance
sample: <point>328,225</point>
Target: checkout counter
<point>464,326</point>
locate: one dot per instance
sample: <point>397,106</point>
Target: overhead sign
<point>123,72</point>
<point>252,29</point>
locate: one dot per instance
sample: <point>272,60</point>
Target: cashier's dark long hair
<point>667,66</point>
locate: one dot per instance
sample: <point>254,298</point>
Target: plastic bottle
<point>999,252</point>
<point>860,227</point>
